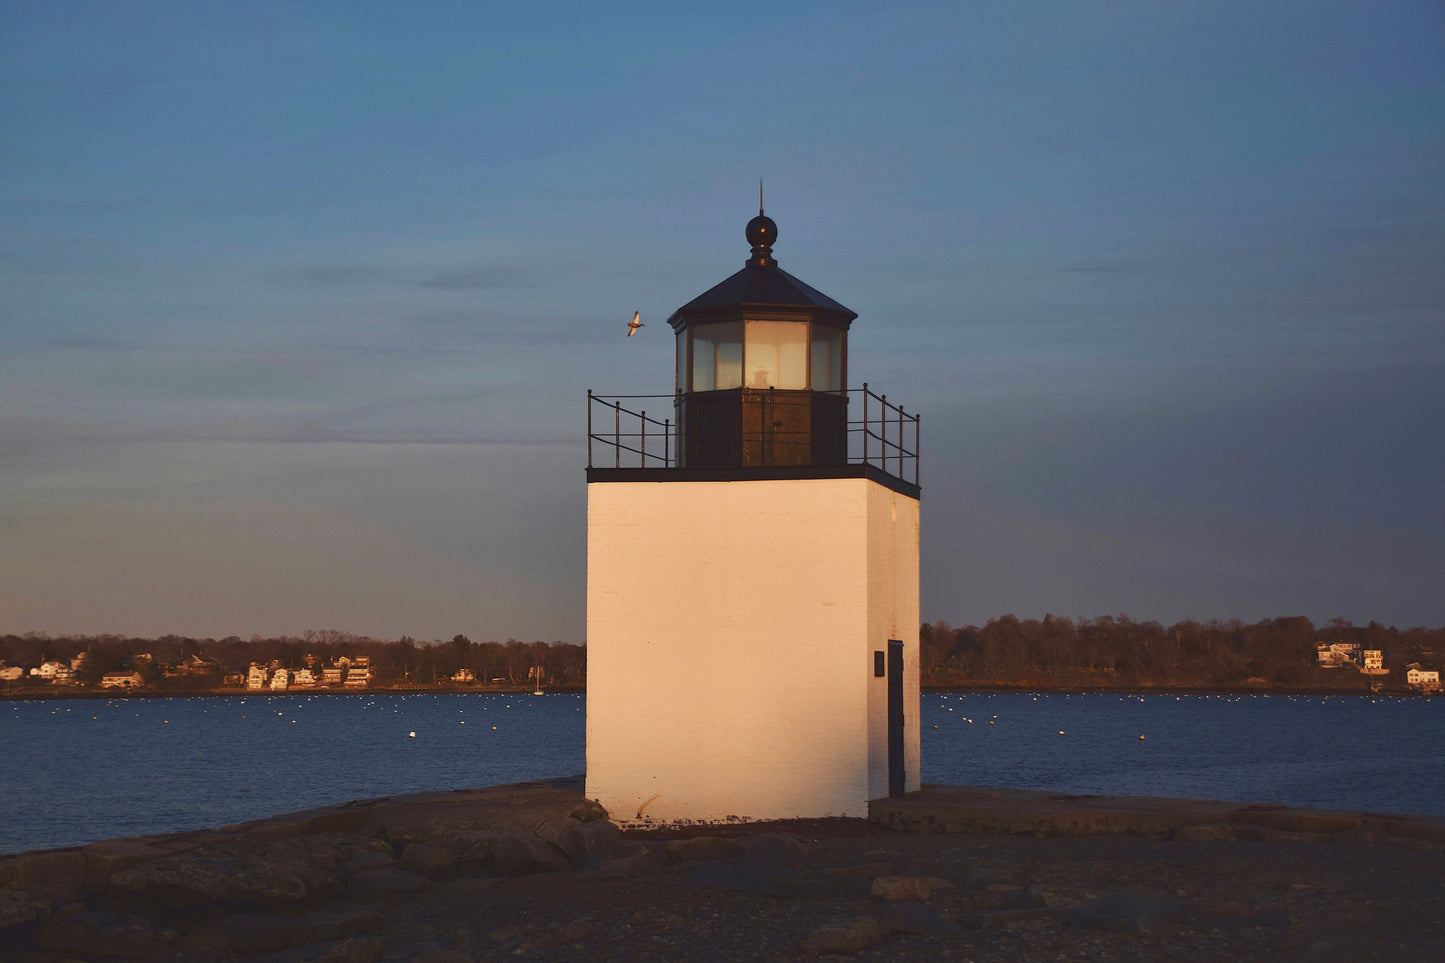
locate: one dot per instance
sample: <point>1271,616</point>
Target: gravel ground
<point>1011,899</point>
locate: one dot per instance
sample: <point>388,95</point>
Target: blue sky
<point>299,303</point>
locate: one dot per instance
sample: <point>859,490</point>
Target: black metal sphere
<point>762,232</point>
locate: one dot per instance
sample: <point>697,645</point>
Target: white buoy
<point>411,735</point>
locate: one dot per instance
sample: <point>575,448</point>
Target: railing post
<point>616,434</point>
<point>917,450</point>
<point>900,441</point>
<point>865,422</point>
<point>589,427</point>
<point>666,438</point>
<point>883,431</point>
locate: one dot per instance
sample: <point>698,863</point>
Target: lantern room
<point>762,370</point>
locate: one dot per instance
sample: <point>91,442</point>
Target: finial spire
<point>760,197</point>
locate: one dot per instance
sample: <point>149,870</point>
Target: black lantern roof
<point>761,284</point>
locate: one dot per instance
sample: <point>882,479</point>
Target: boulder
<point>590,841</point>
<point>228,874</point>
<point>1128,912</point>
<point>516,854</point>
<point>426,860</point>
<point>56,876</point>
<point>385,879</point>
<point>776,847</point>
<point>361,950</point>
<point>86,934</point>
<point>896,889</point>
<point>848,937</point>
<point>704,847</point>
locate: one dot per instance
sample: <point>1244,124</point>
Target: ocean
<point>77,771</point>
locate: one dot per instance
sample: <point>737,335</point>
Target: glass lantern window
<point>827,359</point>
<point>717,356</point>
<point>777,354</point>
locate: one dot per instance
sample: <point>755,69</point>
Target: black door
<point>895,717</point>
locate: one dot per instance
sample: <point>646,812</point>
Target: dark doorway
<point>895,717</point>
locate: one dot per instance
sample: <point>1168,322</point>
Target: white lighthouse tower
<point>752,571</point>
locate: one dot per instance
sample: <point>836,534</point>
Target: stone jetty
<point>535,871</point>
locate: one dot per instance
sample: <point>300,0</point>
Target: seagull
<point>635,323</point>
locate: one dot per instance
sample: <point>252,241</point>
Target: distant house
<point>1332,655</point>
<point>358,676</point>
<point>1374,662</point>
<point>256,676</point>
<point>11,673</point>
<point>303,678</point>
<point>280,679</point>
<point>331,675</point>
<point>121,680</point>
<point>464,675</point>
<point>1419,677</point>
<point>56,673</point>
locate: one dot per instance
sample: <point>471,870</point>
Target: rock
<point>573,932</point>
<point>519,855</point>
<point>1128,912</point>
<point>860,934</point>
<point>869,870</point>
<point>364,859</point>
<point>56,876</point>
<point>915,918</point>
<point>704,847</point>
<point>362,950</point>
<point>896,889</point>
<point>425,860</point>
<point>816,887</point>
<point>227,873</point>
<point>471,847</point>
<point>586,842</point>
<point>440,954</point>
<point>248,934</point>
<point>724,875</point>
<point>988,875</point>
<point>640,860</point>
<point>385,879</point>
<point>782,849</point>
<point>93,934</point>
<point>17,908</point>
<point>589,810</point>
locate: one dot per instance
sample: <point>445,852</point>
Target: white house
<point>11,673</point>
<point>1418,677</point>
<point>752,590</point>
<point>256,676</point>
<point>358,674</point>
<point>280,679</point>
<point>121,680</point>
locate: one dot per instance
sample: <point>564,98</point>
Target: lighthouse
<point>752,570</point>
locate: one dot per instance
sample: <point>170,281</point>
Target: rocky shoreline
<point>535,871</point>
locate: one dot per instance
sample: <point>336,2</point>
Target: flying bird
<point>635,323</point>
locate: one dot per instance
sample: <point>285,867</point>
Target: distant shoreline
<point>36,694</point>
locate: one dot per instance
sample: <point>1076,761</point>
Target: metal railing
<point>886,436</point>
<point>629,446</point>
<point>625,436</point>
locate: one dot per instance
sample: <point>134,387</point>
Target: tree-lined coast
<point>1108,652</point>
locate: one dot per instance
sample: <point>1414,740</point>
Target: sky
<point>299,303</point>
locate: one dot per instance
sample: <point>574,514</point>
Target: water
<point>74,771</point>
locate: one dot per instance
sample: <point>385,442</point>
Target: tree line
<point>1111,651</point>
<point>1116,651</point>
<point>184,663</point>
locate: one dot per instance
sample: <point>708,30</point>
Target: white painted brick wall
<point>730,632</point>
